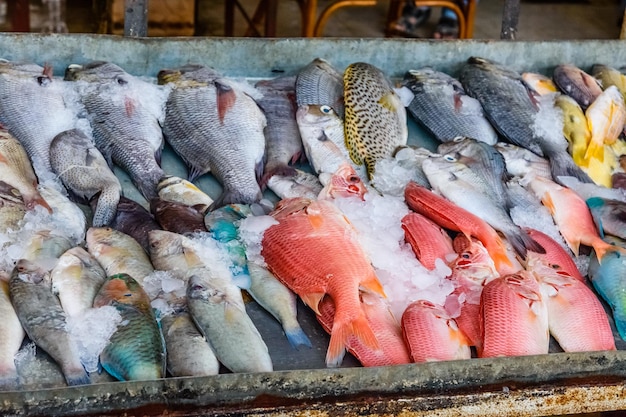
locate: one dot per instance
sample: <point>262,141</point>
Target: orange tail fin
<point>341,332</point>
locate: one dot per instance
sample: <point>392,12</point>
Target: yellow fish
<point>575,127</point>
<point>605,117</point>
<point>539,83</point>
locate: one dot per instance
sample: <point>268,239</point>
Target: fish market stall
<point>300,383</point>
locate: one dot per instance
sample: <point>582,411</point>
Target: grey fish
<point>12,337</point>
<point>441,105</point>
<point>462,186</point>
<point>217,308</point>
<point>188,353</point>
<point>300,184</point>
<point>12,207</point>
<point>319,83</point>
<point>215,126</point>
<point>84,171</point>
<point>44,320</point>
<point>282,137</point>
<point>411,158</point>
<point>520,161</point>
<point>577,84</point>
<point>484,160</point>
<point>35,107</point>
<point>375,123</point>
<point>513,110</point>
<point>609,216</point>
<point>125,114</point>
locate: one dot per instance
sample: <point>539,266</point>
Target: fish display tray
<point>556,383</point>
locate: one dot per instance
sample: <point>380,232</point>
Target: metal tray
<point>557,383</point>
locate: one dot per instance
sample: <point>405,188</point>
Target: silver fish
<point>217,308</point>
<point>44,320</point>
<point>283,142</point>
<point>300,184</point>
<point>520,161</point>
<point>176,189</point>
<point>514,111</point>
<point>12,208</point>
<point>577,84</point>
<point>441,105</point>
<point>126,115</point>
<point>214,125</point>
<point>84,171</point>
<point>21,86</point>
<point>319,83</point>
<point>12,337</point>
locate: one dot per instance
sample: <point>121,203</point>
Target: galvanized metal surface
<point>557,383</point>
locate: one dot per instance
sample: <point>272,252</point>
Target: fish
<point>520,161</point>
<point>67,218</point>
<point>126,114</point>
<point>571,215</point>
<point>21,85</point>
<point>188,353</point>
<point>44,247</point>
<point>606,117</point>
<point>177,217</point>
<point>170,251</point>
<point>575,128</point>
<point>555,254</point>
<point>392,348</point>
<point>375,121</point>
<point>539,83</point>
<point>532,126</point>
<point>608,215</point>
<point>282,136</point>
<point>136,351</point>
<point>432,335</point>
<point>441,105</point>
<point>608,76</point>
<point>587,190</point>
<point>44,320</point>
<point>12,208</point>
<point>472,269</point>
<point>12,337</point>
<point>76,278</point>
<point>452,217</point>
<point>118,253</point>
<point>17,171</point>
<point>428,240</point>
<point>214,125</point>
<point>84,171</point>
<point>514,317</point>
<point>217,308</point>
<point>484,160</point>
<point>279,301</point>
<point>456,182</point>
<point>134,220</point>
<point>345,182</point>
<point>576,317</point>
<point>319,83</point>
<point>299,184</point>
<point>179,190</point>
<point>608,278</point>
<point>308,231</point>
<point>411,158</point>
<point>577,84</point>
<point>322,133</point>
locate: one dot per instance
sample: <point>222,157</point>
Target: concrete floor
<point>538,20</point>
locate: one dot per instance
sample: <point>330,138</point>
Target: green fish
<point>375,118</point>
<point>136,350</point>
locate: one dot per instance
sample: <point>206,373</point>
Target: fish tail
<point>297,337</point>
<point>498,254</point>
<point>562,165</point>
<point>148,184</point>
<point>601,248</point>
<point>595,150</point>
<point>340,334</point>
<point>522,242</point>
<point>106,207</point>
<point>76,376</point>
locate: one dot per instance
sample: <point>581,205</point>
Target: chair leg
<point>333,7</point>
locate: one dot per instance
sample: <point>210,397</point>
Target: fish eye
<point>449,158</point>
<point>465,255</point>
<point>325,109</point>
<point>128,294</point>
<point>353,178</point>
<point>121,81</point>
<point>458,138</point>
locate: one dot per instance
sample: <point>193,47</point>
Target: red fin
<point>372,284</point>
<point>340,334</point>
<point>225,100</point>
<point>313,300</point>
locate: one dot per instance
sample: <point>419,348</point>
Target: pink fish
<point>432,335</point>
<point>471,271</point>
<point>314,251</point>
<point>555,254</point>
<point>345,182</point>
<point>514,317</point>
<point>393,350</point>
<point>576,317</point>
<point>428,240</point>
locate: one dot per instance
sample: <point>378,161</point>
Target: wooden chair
<point>465,13</point>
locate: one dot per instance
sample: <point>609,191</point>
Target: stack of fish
<point>172,262</point>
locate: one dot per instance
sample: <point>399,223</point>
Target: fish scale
<point>375,119</point>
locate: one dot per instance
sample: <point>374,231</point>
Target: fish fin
<point>601,248</point>
<point>194,172</point>
<point>226,98</point>
<point>76,377</point>
<point>297,338</point>
<point>595,150</point>
<point>389,101</point>
<point>562,165</point>
<point>315,218</point>
<point>113,371</point>
<point>372,284</point>
<point>282,169</point>
<point>157,156</point>
<point>340,334</point>
<point>312,300</point>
